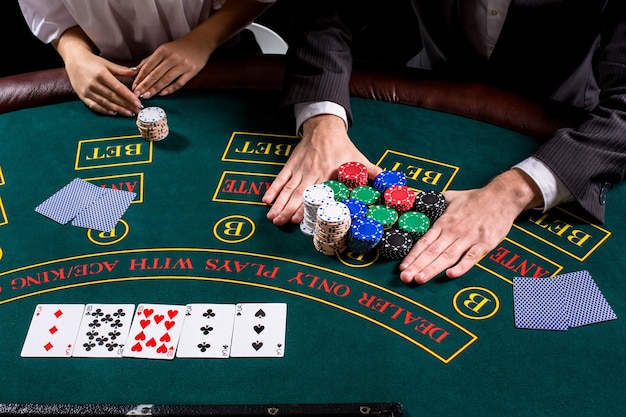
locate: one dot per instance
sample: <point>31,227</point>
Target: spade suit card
<point>207,331</point>
<point>155,331</point>
<point>52,331</point>
<point>259,330</point>
<point>103,330</point>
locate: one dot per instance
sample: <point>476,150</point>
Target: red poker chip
<point>400,196</point>
<point>352,171</point>
<point>352,174</point>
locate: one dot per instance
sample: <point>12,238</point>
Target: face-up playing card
<point>70,200</point>
<point>207,331</point>
<point>103,330</point>
<point>104,213</point>
<point>259,330</point>
<point>52,331</point>
<point>155,331</point>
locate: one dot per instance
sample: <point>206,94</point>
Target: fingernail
<point>134,69</point>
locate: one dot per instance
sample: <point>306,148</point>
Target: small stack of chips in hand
<point>152,124</point>
<point>350,213</point>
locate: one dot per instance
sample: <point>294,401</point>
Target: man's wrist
<point>328,122</point>
<point>307,110</point>
<point>518,188</point>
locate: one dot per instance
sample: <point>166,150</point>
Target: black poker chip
<point>395,244</point>
<point>431,203</point>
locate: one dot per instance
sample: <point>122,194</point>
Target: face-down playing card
<point>104,213</point>
<point>585,302</point>
<point>70,200</point>
<point>103,330</point>
<point>207,331</point>
<point>259,330</point>
<point>52,331</point>
<point>155,331</point>
<point>540,303</point>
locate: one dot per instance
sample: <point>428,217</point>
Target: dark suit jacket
<point>570,50</point>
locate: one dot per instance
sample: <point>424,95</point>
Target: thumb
<point>123,71</point>
<point>373,170</point>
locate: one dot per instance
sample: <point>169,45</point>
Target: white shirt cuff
<point>306,110</point>
<point>552,188</point>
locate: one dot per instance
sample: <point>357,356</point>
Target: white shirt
<point>482,22</point>
<point>120,29</point>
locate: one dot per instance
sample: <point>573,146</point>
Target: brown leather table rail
<point>398,85</point>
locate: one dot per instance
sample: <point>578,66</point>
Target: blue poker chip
<point>366,230</point>
<point>364,235</point>
<point>388,178</point>
<point>357,207</point>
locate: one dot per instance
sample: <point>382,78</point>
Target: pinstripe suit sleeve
<point>594,154</point>
<point>319,59</point>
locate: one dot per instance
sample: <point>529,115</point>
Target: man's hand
<point>475,221</point>
<point>325,145</point>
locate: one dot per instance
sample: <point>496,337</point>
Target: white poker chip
<point>152,124</point>
<point>333,212</point>
<point>317,194</point>
<point>151,115</point>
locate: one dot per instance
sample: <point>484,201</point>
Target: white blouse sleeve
<point>217,4</point>
<point>47,19</point>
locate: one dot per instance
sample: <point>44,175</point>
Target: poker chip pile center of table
<point>152,124</point>
<point>351,213</point>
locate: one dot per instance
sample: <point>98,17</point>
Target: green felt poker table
<point>358,340</point>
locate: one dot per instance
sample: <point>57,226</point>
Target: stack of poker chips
<point>152,124</point>
<point>357,208</point>
<point>352,174</point>
<point>388,178</point>
<point>395,244</point>
<point>331,228</point>
<point>399,197</point>
<point>391,224</point>
<point>431,203</point>
<point>341,190</point>
<point>367,194</point>
<point>384,215</point>
<point>364,235</point>
<point>314,196</point>
<point>415,223</point>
